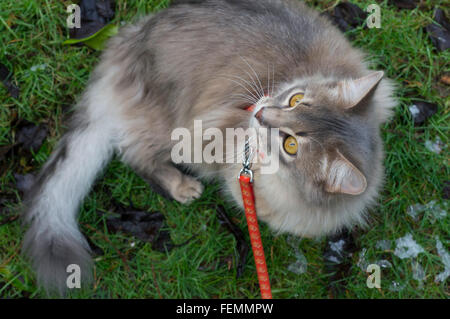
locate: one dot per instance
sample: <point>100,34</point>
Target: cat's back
<point>218,30</point>
<point>284,30</point>
<point>251,21</point>
<point>193,41</point>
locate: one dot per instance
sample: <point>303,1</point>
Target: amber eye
<point>296,99</point>
<point>291,145</point>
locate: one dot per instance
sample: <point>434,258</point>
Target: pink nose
<point>259,114</point>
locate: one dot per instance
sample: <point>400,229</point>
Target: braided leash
<point>246,183</point>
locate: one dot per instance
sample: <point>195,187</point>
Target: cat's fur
<point>196,60</point>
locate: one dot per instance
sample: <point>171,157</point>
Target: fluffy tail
<point>53,240</point>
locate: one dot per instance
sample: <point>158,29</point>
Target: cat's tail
<point>53,240</point>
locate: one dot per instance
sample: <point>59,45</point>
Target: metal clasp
<point>247,164</point>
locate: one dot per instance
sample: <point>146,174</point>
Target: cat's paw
<point>188,190</point>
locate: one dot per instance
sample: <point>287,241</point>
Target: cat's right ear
<point>344,178</point>
<point>352,92</point>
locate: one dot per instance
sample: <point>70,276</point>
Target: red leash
<point>246,183</point>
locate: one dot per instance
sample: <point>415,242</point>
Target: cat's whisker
<point>244,97</point>
<point>255,85</point>
<point>241,85</point>
<point>257,77</point>
<point>255,89</point>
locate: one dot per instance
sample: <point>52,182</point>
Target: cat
<point>209,61</point>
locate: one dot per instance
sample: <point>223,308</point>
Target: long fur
<point>53,240</point>
<point>206,60</point>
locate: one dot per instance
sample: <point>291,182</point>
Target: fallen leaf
<point>94,29</point>
<point>445,258</point>
<point>18,156</point>
<point>407,247</point>
<point>337,258</point>
<point>95,14</point>
<point>97,40</point>
<point>421,111</point>
<point>404,4</point>
<point>439,31</point>
<point>31,136</point>
<point>435,146</point>
<point>300,265</point>
<point>148,227</point>
<point>347,16</point>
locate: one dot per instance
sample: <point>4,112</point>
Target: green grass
<point>31,33</point>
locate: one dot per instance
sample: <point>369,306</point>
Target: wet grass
<point>31,33</point>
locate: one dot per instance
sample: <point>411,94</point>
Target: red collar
<point>250,108</point>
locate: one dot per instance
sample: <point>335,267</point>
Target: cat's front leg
<point>170,182</point>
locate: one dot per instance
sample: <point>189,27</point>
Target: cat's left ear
<point>343,177</point>
<point>351,92</point>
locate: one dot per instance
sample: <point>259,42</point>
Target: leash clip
<point>248,155</point>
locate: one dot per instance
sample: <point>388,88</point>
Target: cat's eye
<point>291,145</point>
<point>296,99</point>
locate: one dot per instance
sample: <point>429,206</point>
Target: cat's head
<point>330,152</point>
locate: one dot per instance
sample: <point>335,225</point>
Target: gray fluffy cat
<point>208,60</point>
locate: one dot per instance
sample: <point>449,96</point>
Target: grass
<point>31,33</point>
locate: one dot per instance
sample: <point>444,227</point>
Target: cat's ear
<point>351,92</point>
<point>343,177</point>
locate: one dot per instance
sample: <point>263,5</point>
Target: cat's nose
<point>259,115</point>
